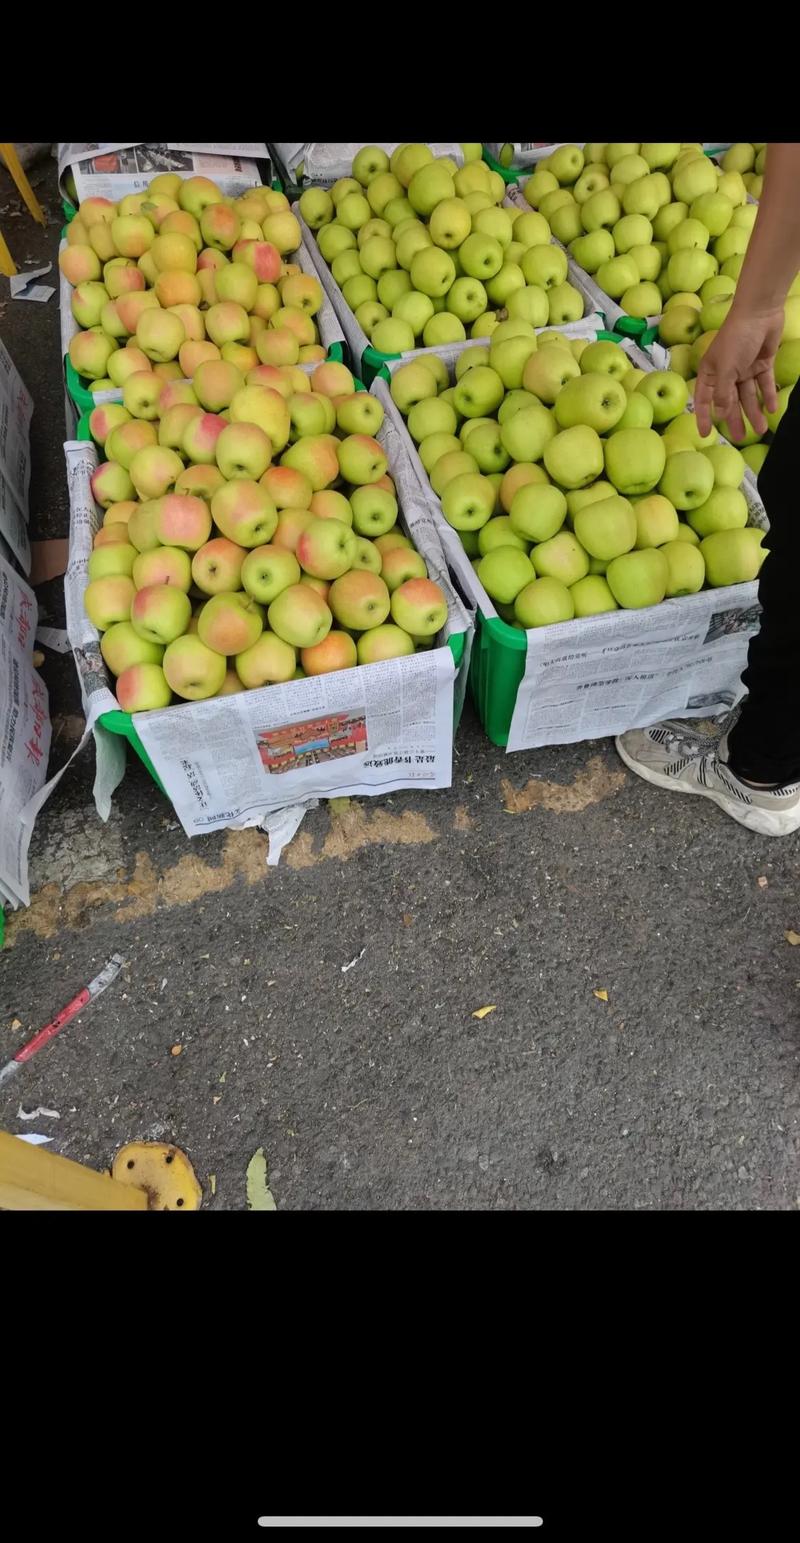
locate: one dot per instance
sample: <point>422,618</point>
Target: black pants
<point>765,744</point>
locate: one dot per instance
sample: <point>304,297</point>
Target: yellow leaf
<point>792,937</point>
<point>259,1195</point>
<point>602,996</point>
<point>483,1012</point>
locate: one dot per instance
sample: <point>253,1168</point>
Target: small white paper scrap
<point>30,1114</point>
<point>53,637</point>
<point>35,1141</point>
<point>282,825</point>
<point>22,285</point>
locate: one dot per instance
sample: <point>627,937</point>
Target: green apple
<point>656,521</point>
<point>509,357</point>
<point>690,268</point>
<point>468,501</point>
<point>638,579</point>
<point>502,286</point>
<point>532,229</point>
<point>646,195</point>
<point>724,509</point>
<point>696,177</point>
<point>596,400</point>
<point>316,207</point>
<point>538,511</point>
<point>498,532</point>
<point>544,266</point>
<point>378,256</point>
<point>512,327</point>
<point>732,556</point>
<point>641,300</point>
<point>787,363</point>
<point>593,179</point>
<point>412,383</point>
<point>631,230</point>
<point>566,164</point>
<point>551,202</point>
<point>537,186</point>
<point>591,250</point>
<point>666,392</point>
<point>429,186</point>
<point>687,570</point>
<point>467,299</point>
<point>745,216</point>
<point>679,324</point>
<point>434,446</point>
<point>469,359</point>
<point>680,360</point>
<point>689,235</point>
<point>346,266</point>
<point>634,460</point>
<point>415,239</point>
<point>526,435</point>
<point>732,267</point>
<point>544,602</point>
<point>669,215</point>
<point>503,572</point>
<point>687,479</point>
<point>530,304</point>
<point>494,222</point>
<point>604,357</point>
<point>685,533</point>
<point>333,239</point>
<point>733,242</point>
<point>617,275</point>
<point>479,392</point>
<point>629,168</point>
<point>648,260</point>
<point>736,186</point>
<point>755,456</point>
<point>481,256</point>
<point>514,401</point>
<point>580,498</point>
<point>638,413</point>
<point>566,223</point>
<point>728,463</point>
<point>485,446</point>
<point>714,211</point>
<point>454,463</point>
<point>591,596</point>
<point>574,457</point>
<point>562,557</point>
<point>432,416</point>
<point>548,370</point>
<point>606,528</point>
<point>659,157</point>
<point>392,285</point>
<point>565,304</point>
<point>685,428</point>
<point>432,271</point>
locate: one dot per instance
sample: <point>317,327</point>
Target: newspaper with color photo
<point>115,170</point>
<point>24,732</point>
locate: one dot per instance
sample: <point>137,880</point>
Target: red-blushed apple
<point>392,539</point>
<point>265,407</point>
<point>300,616</point>
<point>278,345</point>
<point>131,307</point>
<point>283,231</point>
<point>243,355</point>
<point>106,561</point>
<point>163,565</point>
<point>333,379</point>
<point>243,450</point>
<point>132,234</point>
<point>103,419</point>
<point>119,514</point>
<point>202,480</point>
<point>97,210</point>
<point>262,257</point>
<point>193,353</point>
<point>127,361</point>
<point>90,352</point>
<point>336,652</point>
<point>244,512</point>
<point>141,394</point>
<point>308,414</point>
<point>200,438</point>
<point>272,376</point>
<point>111,483</point>
<point>79,264</point>
<point>310,353</point>
<point>419,607</point>
<point>302,292</point>
<point>400,564</point>
<point>157,206</point>
<point>253,205</point>
<point>121,647</point>
<point>217,566</point>
<point>316,457</point>
<point>176,287</point>
<point>374,511</point>
<point>326,549</point>
<point>296,379</point>
<point>174,423</point>
<point>154,469</point>
<point>360,599</point>
<point>183,520</point>
<point>290,527</point>
<point>220,226</point>
<point>143,688</point>
<point>238,283</point>
<point>109,600</point>
<point>212,259</point>
<point>182,223</point>
<point>384,642</point>
<point>267,570</point>
<point>268,661</point>
<point>113,534</point>
<point>328,505</point>
<point>192,670</point>
<point>216,383</point>
<point>287,319</point>
<point>320,586</point>
<point>122,277</point>
<point>360,413</point>
<point>173,251</point>
<point>196,193</point>
<point>227,322</point>
<point>230,622</point>
<point>288,489</point>
<point>361,459</point>
<point>268,301</point>
<point>142,525</point>
<point>160,613</point>
<point>124,441</point>
<point>175,392</point>
<point>231,685</point>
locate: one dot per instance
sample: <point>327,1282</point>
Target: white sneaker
<point>673,755</point>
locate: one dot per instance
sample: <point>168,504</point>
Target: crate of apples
<point>250,535</point>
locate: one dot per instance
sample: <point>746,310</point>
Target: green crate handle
<point>509,174</point>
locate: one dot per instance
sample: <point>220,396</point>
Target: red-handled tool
<point>54,1027</point>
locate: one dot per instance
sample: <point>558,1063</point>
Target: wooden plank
<point>32,1179</point>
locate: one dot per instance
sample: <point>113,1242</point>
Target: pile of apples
<point>649,221</point>
<point>577,483</point>
<point>749,160</point>
<point>185,274</point>
<point>422,251</point>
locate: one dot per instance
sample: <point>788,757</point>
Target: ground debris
<point>483,1012</point>
<point>259,1195</point>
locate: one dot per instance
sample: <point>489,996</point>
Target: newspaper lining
<point>598,676</point>
<point>323,164</point>
<point>16,411</point>
<point>24,731</point>
<point>115,170</point>
<point>232,760</point>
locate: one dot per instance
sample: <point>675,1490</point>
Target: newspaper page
<point>369,730</point>
<point>24,730</point>
<point>113,171</point>
<point>627,669</point>
<point>16,411</point>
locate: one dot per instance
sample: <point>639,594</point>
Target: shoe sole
<point>759,821</point>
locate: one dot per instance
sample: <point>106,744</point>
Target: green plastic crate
<point>509,174</point>
<point>119,722</point>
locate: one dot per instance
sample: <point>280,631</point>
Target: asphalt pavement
<point>536,886</point>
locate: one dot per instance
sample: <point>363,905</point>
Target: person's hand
<point>737,366</point>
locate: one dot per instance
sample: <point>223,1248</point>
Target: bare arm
<point>739,364</point>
